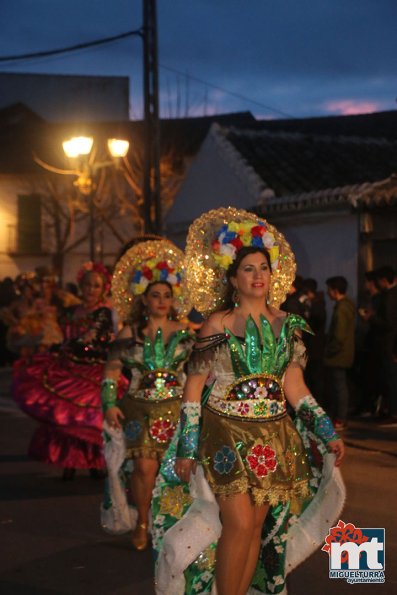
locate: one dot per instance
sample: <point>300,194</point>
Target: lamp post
<point>78,149</point>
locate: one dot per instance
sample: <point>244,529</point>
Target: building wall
<point>325,245</point>
<point>12,263</point>
<point>211,182</point>
<point>65,98</point>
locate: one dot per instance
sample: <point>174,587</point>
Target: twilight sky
<point>276,58</point>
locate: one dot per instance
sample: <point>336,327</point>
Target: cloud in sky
<point>294,58</point>
<point>350,107</point>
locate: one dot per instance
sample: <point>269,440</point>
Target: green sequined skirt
<point>263,458</point>
<point>149,425</point>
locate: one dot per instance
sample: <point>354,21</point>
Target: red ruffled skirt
<point>64,395</point>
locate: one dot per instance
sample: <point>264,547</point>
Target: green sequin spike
<point>170,359</point>
<point>159,349</point>
<point>253,347</point>
<point>157,355</point>
<point>237,355</point>
<point>296,321</point>
<point>268,345</point>
<point>284,345</point>
<point>148,354</point>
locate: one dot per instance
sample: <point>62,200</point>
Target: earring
<point>236,298</point>
<point>145,314</point>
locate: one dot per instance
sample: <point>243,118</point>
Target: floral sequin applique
<point>132,430</point>
<point>262,460</point>
<point>224,460</point>
<point>162,430</point>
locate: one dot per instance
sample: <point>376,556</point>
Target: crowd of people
<point>352,360</point>
<point>203,432</point>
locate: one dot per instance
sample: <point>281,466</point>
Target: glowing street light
<point>79,148</point>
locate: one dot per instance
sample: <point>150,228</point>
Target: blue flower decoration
<point>137,276</point>
<point>273,408</point>
<point>224,460</point>
<point>132,430</point>
<point>257,242</point>
<point>229,236</point>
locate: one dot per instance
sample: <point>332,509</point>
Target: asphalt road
<point>52,544</point>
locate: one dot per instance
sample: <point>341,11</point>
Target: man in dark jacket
<point>384,321</point>
<point>339,349</point>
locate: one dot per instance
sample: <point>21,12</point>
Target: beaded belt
<point>159,385</point>
<point>256,397</point>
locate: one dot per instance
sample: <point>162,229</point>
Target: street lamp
<point>78,149</point>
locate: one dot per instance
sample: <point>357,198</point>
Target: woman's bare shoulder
<point>125,332</point>
<point>214,324</point>
<point>278,313</point>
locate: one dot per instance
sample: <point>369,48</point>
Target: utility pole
<point>151,169</point>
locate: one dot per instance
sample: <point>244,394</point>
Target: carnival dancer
<point>61,388</point>
<point>147,290</point>
<point>263,490</point>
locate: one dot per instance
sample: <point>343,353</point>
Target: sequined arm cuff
<point>190,431</point>
<point>315,419</point>
<point>108,393</point>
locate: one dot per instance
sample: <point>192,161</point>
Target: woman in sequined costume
<point>252,468</point>
<point>154,346</point>
<point>61,388</point>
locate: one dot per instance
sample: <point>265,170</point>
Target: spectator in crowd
<point>339,350</point>
<point>316,317</point>
<point>295,300</point>
<point>367,354</point>
<point>384,322</point>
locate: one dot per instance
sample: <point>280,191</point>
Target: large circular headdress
<point>145,263</point>
<point>212,244</point>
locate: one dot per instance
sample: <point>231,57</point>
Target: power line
<point>238,95</point>
<point>137,32</point>
<point>71,48</point>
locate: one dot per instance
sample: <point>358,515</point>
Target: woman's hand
<point>114,417</point>
<point>338,448</point>
<point>184,467</point>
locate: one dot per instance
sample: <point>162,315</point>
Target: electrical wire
<point>138,32</point>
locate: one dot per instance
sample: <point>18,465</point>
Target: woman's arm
<point>113,368</point>
<point>312,415</point>
<point>191,409</point>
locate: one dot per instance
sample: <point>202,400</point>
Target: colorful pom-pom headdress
<point>100,269</point>
<point>213,242</point>
<point>146,263</point>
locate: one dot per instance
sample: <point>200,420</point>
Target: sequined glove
<point>108,393</point>
<point>315,419</point>
<point>190,431</point>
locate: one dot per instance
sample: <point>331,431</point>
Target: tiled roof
<point>292,164</point>
<point>377,194</point>
<point>376,125</point>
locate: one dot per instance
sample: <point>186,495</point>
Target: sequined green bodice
<point>158,355</point>
<point>261,352</point>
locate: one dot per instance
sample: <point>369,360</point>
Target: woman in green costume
<point>153,345</point>
<point>253,477</point>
